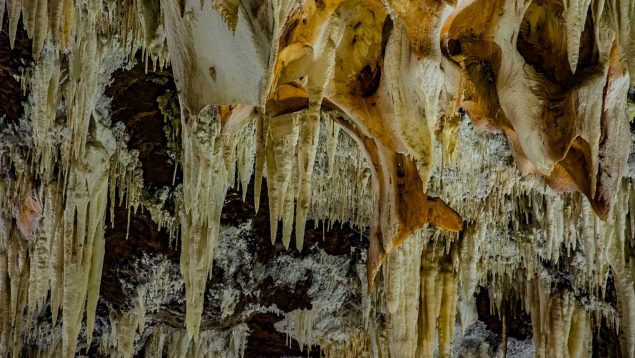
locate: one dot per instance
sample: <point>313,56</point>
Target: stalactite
<point>210,344</point>
<point>83,239</point>
<point>355,347</point>
<point>619,257</point>
<point>154,345</point>
<point>124,329</point>
<point>345,98</point>
<point>245,157</point>
<point>438,305</point>
<point>44,99</point>
<point>561,324</point>
<point>302,326</point>
<point>341,181</point>
<point>205,185</point>
<point>333,131</point>
<point>14,276</point>
<point>281,151</point>
<point>413,119</point>
<point>52,222</point>
<point>319,76</point>
<point>125,179</point>
<point>69,76</point>
<point>403,278</point>
<point>261,145</point>
<point>575,17</point>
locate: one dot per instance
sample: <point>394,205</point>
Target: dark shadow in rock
<point>12,64</point>
<point>134,96</point>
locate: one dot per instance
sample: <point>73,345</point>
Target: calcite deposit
<point>330,178</point>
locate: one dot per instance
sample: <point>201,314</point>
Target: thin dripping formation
<point>506,124</point>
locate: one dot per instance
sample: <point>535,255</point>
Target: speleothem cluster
<point>505,124</point>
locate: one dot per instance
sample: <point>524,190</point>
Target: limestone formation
<point>452,173</point>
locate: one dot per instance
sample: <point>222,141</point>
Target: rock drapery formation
<point>135,137</point>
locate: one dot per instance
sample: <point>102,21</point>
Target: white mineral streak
<point>204,188</point>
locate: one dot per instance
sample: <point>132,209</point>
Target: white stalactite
<point>204,188</point>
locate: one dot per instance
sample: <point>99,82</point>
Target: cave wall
<point>325,178</point>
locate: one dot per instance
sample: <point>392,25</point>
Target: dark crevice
<point>542,25</point>
<point>13,63</point>
<point>134,96</point>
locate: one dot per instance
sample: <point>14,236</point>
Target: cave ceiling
<point>324,178</point>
